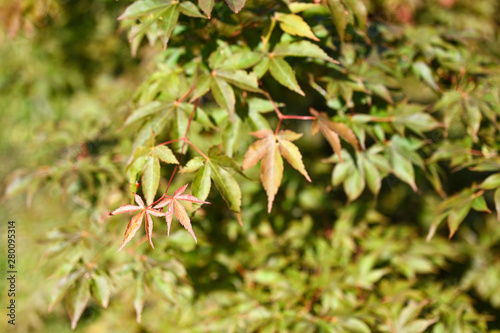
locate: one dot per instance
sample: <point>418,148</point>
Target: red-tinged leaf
<point>331,131</point>
<point>235,5</point>
<point>125,209</point>
<point>206,6</point>
<point>149,229</point>
<point>77,300</point>
<point>183,217</point>
<point>269,149</point>
<point>291,153</point>
<point>254,154</point>
<point>271,172</point>
<point>175,208</point>
<point>132,227</point>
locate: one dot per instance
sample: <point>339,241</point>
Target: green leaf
<point>228,187</point>
<point>235,5</point>
<point>283,73</point>
<point>301,49</point>
<point>201,183</point>
<point>419,122</point>
<point>63,285</point>
<point>224,95</point>
<point>497,202</point>
<point>474,118</point>
<point>165,155</point>
<point>358,8</point>
<point>354,184</point>
<point>423,71</point>
<point>167,23</point>
<point>143,7</point>
<point>139,296</point>
<point>457,215</point>
<point>151,178</point>
<point>373,177</point>
<point>77,300</point>
<point>479,204</point>
<point>403,168</point>
<point>144,111</point>
<point>240,78</point>
<point>100,289</point>
<point>261,68</point>
<point>340,172</point>
<point>297,7</point>
<point>193,164</point>
<point>206,6</point>
<point>241,60</point>
<point>188,8</point>
<point>339,17</point>
<point>295,25</point>
<point>491,183</point>
<point>162,283</point>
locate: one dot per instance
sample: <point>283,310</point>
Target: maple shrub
<point>333,164</point>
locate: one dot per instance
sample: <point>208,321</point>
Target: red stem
<point>281,116</point>
<point>184,140</point>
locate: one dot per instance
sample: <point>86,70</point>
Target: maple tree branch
<point>184,141</point>
<point>197,149</point>
<point>169,142</point>
<point>187,93</point>
<point>282,116</point>
<point>298,117</point>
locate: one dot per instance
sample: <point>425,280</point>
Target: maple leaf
<point>331,131</point>
<point>175,207</point>
<point>136,221</point>
<point>269,149</point>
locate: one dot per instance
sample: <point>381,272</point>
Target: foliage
<point>405,95</point>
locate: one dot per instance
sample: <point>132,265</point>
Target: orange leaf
<point>331,131</point>
<point>174,207</point>
<point>269,150</point>
<point>136,221</point>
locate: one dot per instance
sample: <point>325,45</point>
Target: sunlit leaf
<point>295,25</point>
<point>283,73</point>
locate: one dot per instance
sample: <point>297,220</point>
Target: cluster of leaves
<point>409,111</point>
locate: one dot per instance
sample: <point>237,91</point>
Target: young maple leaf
<point>269,148</point>
<point>331,131</point>
<point>174,207</point>
<point>136,221</point>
